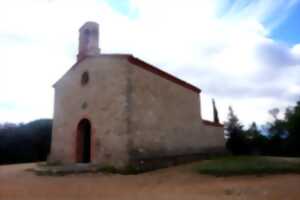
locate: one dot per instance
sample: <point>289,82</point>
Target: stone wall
<point>102,100</point>
<point>164,117</point>
<point>215,139</point>
<point>135,114</point>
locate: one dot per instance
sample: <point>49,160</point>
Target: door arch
<point>83,141</point>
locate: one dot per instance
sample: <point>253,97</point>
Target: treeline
<point>21,143</point>
<point>281,137</point>
<point>30,142</point>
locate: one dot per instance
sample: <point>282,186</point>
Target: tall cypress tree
<point>216,115</point>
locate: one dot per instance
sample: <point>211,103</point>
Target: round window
<point>84,78</point>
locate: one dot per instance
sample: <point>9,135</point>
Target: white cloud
<point>212,44</point>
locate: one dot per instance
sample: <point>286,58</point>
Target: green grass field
<point>248,165</point>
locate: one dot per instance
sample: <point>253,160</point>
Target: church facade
<point>115,110</point>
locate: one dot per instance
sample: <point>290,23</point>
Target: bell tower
<point>88,40</point>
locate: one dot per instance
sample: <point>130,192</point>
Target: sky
<point>242,53</point>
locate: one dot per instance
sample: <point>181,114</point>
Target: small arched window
<point>85,78</point>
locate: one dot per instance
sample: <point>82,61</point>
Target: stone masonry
<point>133,110</point>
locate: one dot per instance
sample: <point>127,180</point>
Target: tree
<point>277,134</point>
<point>215,112</point>
<point>236,142</point>
<point>274,112</point>
<point>25,142</point>
<point>284,134</point>
<point>252,131</point>
<point>257,142</point>
<point>292,117</point>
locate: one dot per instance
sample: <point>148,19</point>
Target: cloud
<point>274,54</point>
<point>223,47</point>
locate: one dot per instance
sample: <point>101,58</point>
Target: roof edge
<point>146,66</point>
<point>211,123</point>
<point>86,57</point>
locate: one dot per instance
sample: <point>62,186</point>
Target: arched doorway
<point>84,141</point>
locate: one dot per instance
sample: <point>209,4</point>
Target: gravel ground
<point>174,183</point>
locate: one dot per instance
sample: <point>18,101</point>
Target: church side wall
<point>165,117</point>
<point>103,101</point>
<point>215,139</point>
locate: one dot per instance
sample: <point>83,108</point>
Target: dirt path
<point>173,183</point>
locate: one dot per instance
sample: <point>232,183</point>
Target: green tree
<point>257,142</point>
<point>277,133</point>
<point>236,142</point>
<point>25,142</point>
<point>252,131</point>
<point>292,117</point>
<point>215,112</point>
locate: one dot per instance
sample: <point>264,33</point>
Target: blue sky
<point>121,6</point>
<point>288,31</point>
<point>243,53</point>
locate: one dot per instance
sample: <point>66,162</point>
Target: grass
<point>128,170</point>
<point>45,169</point>
<point>248,165</point>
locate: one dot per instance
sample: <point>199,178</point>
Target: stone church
<point>117,110</point>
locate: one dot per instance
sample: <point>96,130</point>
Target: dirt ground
<point>173,183</point>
